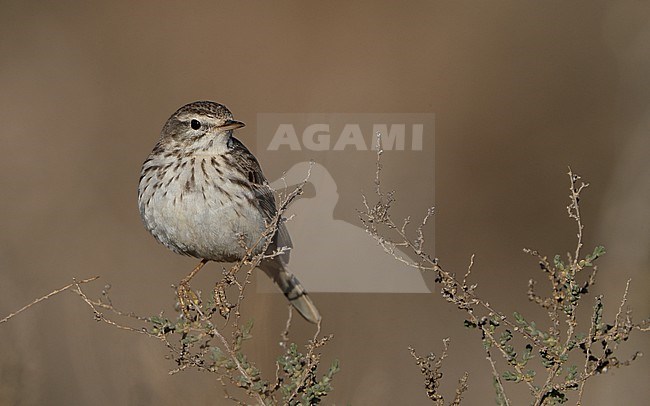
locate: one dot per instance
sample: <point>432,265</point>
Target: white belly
<point>202,221</point>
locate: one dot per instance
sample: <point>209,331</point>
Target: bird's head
<point>200,125</point>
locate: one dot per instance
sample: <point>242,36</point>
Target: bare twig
<point>497,378</point>
<point>551,346</point>
<point>47,296</point>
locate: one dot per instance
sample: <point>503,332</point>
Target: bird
<point>203,194</point>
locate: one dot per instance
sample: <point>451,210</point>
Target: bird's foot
<point>187,299</point>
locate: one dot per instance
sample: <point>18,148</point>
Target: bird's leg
<point>184,292</point>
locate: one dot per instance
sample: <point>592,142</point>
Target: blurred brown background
<point>520,90</point>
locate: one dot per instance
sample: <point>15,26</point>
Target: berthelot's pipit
<point>202,193</point>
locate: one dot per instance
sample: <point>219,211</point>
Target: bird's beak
<point>231,125</point>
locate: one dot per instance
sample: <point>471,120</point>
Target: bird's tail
<point>291,288</point>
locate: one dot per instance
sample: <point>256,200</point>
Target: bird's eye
<point>196,124</point>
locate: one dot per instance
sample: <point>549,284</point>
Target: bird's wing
<point>249,165</point>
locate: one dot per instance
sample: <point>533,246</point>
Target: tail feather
<point>292,289</point>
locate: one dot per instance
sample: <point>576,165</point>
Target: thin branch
<point>49,295</point>
<point>497,378</point>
